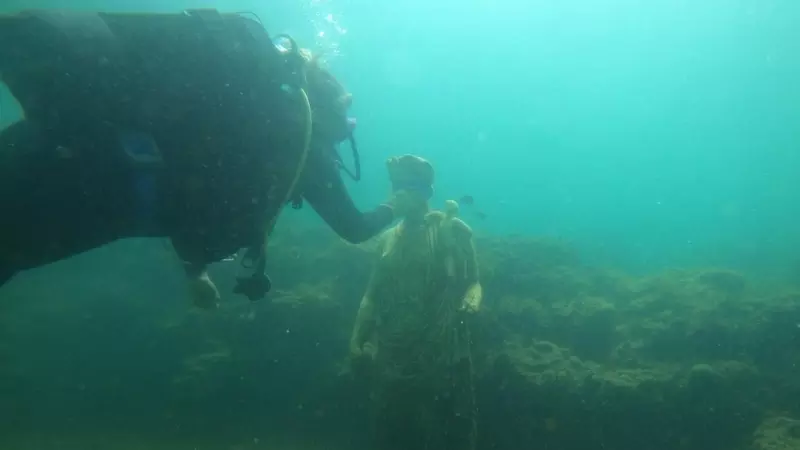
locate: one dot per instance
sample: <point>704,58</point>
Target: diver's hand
<point>204,292</point>
<point>472,300</point>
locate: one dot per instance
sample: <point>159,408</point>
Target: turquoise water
<point>653,134</point>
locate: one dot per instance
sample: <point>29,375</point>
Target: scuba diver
<point>196,126</point>
<point>411,340</point>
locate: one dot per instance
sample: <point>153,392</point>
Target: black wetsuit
<point>153,125</point>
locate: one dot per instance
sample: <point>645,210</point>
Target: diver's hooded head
<point>330,102</point>
<point>331,126</point>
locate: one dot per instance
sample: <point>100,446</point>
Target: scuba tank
<point>134,69</point>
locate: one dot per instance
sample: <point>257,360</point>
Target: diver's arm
<point>326,193</point>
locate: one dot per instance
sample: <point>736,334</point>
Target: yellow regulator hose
<point>300,167</point>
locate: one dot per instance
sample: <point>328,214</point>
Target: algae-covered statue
<point>412,323</point>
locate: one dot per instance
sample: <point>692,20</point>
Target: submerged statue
<point>411,332</point>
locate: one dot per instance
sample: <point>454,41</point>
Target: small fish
<point>470,201</point>
<point>467,200</point>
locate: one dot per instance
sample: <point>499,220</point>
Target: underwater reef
<point>575,356</point>
<point>568,355</point>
